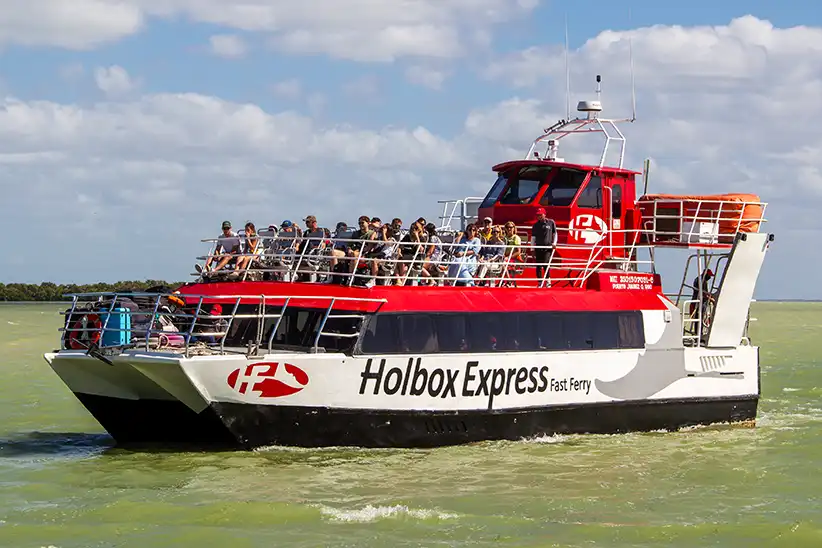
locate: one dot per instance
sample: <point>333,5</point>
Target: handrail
<point>190,326</point>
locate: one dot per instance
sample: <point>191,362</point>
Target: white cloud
<point>364,30</point>
<point>183,162</point>
<point>229,46</point>
<point>78,24</point>
<point>113,80</point>
<point>288,89</point>
<point>426,77</point>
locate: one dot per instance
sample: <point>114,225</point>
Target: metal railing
<point>449,261</point>
<point>176,322</point>
<point>709,222</point>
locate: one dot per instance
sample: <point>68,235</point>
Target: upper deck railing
<point>449,261</point>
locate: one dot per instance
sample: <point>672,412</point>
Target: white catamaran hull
<point>408,401</point>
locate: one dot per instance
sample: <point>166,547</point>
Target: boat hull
<point>337,400</point>
<point>245,426</point>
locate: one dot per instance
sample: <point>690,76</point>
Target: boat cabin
<point>592,206</point>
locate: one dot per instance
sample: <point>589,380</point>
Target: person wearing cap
<point>228,246</point>
<point>213,328</point>
<point>543,238</point>
<point>485,230</point>
<point>313,236</point>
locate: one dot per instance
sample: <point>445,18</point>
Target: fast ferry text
<point>467,382</point>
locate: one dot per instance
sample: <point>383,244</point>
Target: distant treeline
<point>48,291</point>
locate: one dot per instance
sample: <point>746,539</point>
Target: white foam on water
<point>786,389</point>
<point>12,323</point>
<point>556,438</point>
<point>373,513</point>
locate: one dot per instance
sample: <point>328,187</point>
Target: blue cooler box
<point>118,329</point>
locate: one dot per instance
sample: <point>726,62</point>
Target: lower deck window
<point>507,331</point>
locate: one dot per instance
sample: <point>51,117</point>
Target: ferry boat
<point>308,346</point>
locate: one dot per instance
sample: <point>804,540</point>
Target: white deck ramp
<point>736,289</point>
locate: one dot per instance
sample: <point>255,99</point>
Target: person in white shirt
<point>227,249</point>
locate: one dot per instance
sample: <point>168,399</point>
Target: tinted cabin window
<point>550,330</point>
<point>631,330</point>
<point>452,333</point>
<point>527,184</point>
<point>485,332</point>
<point>563,188</point>
<point>417,335</point>
<point>495,191</point>
<point>340,334</point>
<point>382,335</point>
<point>519,333</point>
<point>616,201</point>
<point>591,195</point>
<point>503,331</point>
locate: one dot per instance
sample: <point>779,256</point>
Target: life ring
<point>176,301</point>
<point>85,332</point>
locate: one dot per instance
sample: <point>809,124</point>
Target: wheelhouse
<point>590,205</point>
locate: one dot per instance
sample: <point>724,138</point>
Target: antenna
<point>567,74</point>
<point>599,87</point>
<point>631,61</point>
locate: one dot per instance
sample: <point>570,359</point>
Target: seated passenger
<point>339,249</point>
<point>227,248</point>
<point>313,237</point>
<point>381,251</point>
<point>253,248</point>
<point>411,251</point>
<point>214,327</point>
<point>433,254</point>
<point>461,272</point>
<point>361,236</point>
<point>491,254</point>
<point>485,232</point>
<point>513,250</point>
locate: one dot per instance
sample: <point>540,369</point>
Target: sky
<point>130,129</point>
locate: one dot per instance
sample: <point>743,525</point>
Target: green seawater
<point>62,483</point>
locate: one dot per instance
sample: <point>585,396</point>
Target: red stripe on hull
<point>437,299</point>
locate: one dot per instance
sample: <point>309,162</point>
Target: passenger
<point>338,250</point>
<point>703,281</point>
<point>433,253</point>
<point>313,237</point>
<point>361,236</point>
<point>513,242</point>
<point>410,252</point>
<point>286,239</point>
<point>513,249</point>
<point>227,248</point>
<point>396,226</point>
<point>543,238</point>
<point>491,254</point>
<point>380,251</point>
<point>485,231</point>
<point>214,327</point>
<point>423,234</point>
<point>467,251</point>
<point>253,248</point>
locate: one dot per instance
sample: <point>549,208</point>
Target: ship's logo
<point>268,379</point>
<point>587,228</point>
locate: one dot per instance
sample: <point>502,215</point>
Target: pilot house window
<point>591,196</point>
<point>528,182</point>
<point>563,188</point>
